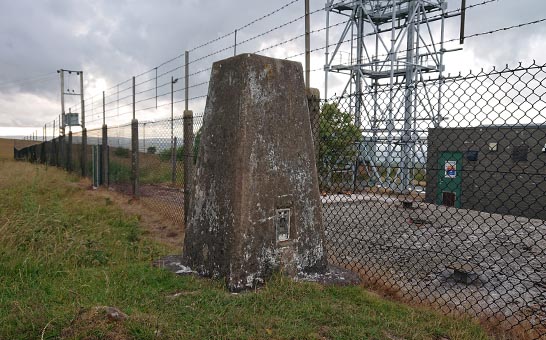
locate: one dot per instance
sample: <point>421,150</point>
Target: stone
<point>463,272</point>
<point>254,206</point>
<point>407,204</point>
<point>115,314</point>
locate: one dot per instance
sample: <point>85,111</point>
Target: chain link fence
<point>441,206</point>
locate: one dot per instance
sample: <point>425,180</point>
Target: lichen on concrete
<point>256,157</point>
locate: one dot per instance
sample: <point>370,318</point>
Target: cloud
<point>114,40</point>
<point>19,109</point>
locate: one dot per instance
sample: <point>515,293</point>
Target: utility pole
<point>63,120</point>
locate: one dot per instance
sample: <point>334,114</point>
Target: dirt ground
<point>160,214</point>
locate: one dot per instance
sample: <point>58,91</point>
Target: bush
<point>119,173</point>
<point>338,139</point>
<point>151,150</point>
<point>121,152</point>
<point>196,142</point>
<point>165,155</point>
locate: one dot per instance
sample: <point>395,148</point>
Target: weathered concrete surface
<point>332,276</point>
<point>256,157</point>
<point>374,235</point>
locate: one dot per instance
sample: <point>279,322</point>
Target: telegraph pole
<point>63,120</point>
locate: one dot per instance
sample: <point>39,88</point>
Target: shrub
<point>121,152</point>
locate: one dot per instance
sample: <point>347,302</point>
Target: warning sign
<point>451,169</point>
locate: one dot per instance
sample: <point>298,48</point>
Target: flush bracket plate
<point>282,224</point>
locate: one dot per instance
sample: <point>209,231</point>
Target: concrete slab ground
<point>417,254</point>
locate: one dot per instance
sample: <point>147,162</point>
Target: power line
<point>534,22</point>
<point>245,26</point>
<point>507,28</point>
<point>281,43</point>
<point>42,77</point>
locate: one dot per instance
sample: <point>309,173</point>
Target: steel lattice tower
<point>390,44</point>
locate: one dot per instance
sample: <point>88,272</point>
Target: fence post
<point>105,175</point>
<point>105,156</point>
<point>56,150</point>
<point>61,150</point>
<point>173,161</point>
<point>134,149</point>
<point>188,138</point>
<point>43,153</point>
<point>84,153</point>
<point>313,102</point>
<point>134,158</point>
<point>69,152</point>
<point>188,160</point>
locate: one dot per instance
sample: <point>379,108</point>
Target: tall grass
<point>64,251</point>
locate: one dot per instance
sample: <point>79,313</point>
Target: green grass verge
<point>64,251</point>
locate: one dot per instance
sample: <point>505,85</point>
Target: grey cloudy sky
<point>116,39</point>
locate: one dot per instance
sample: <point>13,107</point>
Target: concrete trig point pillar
<point>255,206</point>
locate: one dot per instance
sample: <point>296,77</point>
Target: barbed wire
<point>507,28</point>
<point>277,27</point>
<point>203,45</point>
<point>245,26</point>
<point>94,99</point>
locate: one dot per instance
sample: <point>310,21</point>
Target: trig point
<point>255,206</point>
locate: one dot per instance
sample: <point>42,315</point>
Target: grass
<point>64,253</point>
<point>153,170</point>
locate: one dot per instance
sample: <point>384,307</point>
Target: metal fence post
<point>173,161</point>
<point>134,149</point>
<point>84,153</point>
<point>105,157</point>
<point>134,158</point>
<point>188,160</point>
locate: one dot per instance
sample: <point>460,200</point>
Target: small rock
<point>115,314</point>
